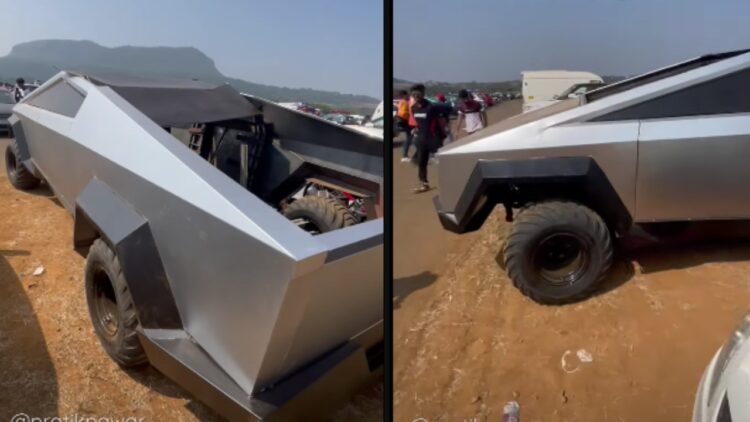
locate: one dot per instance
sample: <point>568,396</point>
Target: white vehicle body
<point>375,126</point>
<point>541,86</point>
<point>574,91</point>
<point>722,394</point>
<point>376,120</point>
<point>293,106</point>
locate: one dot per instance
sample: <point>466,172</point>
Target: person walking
<point>403,114</point>
<point>429,131</point>
<point>471,113</point>
<point>446,121</point>
<point>19,90</point>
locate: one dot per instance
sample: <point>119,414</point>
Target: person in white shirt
<point>471,114</point>
<point>19,91</point>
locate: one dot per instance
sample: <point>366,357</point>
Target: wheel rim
<point>105,303</point>
<point>561,259</point>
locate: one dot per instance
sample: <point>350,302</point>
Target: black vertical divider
<point>388,206</point>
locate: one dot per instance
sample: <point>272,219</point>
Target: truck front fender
<point>100,213</point>
<point>515,183</point>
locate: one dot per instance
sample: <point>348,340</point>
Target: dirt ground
<point>466,341</point>
<point>51,363</point>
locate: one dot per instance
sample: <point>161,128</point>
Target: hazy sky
<point>323,44</point>
<point>494,40</point>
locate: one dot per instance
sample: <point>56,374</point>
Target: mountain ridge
<point>42,59</point>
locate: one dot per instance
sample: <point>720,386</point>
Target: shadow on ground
<point>404,286</point>
<point>156,381</point>
<point>688,245</point>
<point>28,382</point>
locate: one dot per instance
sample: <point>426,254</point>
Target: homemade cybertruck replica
<point>234,244</point>
<point>670,145</point>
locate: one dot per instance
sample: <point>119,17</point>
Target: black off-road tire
<point>106,288</point>
<point>558,226</point>
<point>20,177</point>
<point>321,214</point>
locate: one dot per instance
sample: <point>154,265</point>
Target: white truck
<point>541,86</point>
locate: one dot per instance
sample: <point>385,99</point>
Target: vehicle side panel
<point>694,168</point>
<point>53,157</point>
<point>612,146</point>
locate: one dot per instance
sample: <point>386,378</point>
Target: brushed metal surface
<point>235,265</point>
<point>665,169</point>
<point>694,168</point>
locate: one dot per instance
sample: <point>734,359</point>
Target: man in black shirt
<point>429,131</point>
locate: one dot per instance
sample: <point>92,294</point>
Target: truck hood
<point>518,137</point>
<point>524,128</point>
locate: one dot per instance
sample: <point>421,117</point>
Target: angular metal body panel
<point>663,169</point>
<point>239,271</point>
<point>694,168</point>
<point>613,147</point>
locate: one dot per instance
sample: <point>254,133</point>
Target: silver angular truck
<point>233,244</point>
<point>671,145</point>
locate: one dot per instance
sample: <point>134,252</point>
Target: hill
<point>39,60</point>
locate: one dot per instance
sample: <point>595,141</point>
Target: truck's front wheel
<point>557,252</point>
<point>18,175</point>
<point>111,307</point>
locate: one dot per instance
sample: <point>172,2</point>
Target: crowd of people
<point>427,125</point>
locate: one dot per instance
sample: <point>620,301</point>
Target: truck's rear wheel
<point>557,252</point>
<point>111,307</point>
<point>19,176</point>
<point>319,214</point>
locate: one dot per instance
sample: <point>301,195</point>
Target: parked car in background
<point>6,105</point>
<point>31,88</point>
<point>342,119</point>
<point>487,98</point>
<point>452,99</point>
<point>358,119</point>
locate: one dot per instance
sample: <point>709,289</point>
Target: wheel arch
<point>23,153</point>
<point>516,183</point>
<point>100,213</point>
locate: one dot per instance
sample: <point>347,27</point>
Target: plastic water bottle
<point>511,412</point>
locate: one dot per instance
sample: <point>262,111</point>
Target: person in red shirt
<point>470,112</point>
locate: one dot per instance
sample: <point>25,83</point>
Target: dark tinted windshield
<point>659,74</point>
